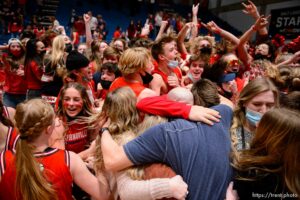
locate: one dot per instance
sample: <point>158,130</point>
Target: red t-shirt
<point>56,165</point>
<point>121,82</point>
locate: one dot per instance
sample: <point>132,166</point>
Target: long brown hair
<point>32,118</point>
<point>274,149</point>
<point>87,105</point>
<point>251,90</point>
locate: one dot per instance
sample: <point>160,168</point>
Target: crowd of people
<point>181,116</point>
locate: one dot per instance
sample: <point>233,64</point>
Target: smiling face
<point>263,49</point>
<point>196,69</point>
<point>233,63</point>
<point>72,102</point>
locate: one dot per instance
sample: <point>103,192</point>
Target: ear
<point>161,57</point>
<point>49,129</point>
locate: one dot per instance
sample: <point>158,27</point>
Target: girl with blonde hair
<point>119,107</point>
<point>38,171</point>
<point>55,69</point>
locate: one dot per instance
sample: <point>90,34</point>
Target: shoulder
<point>179,124</point>
<point>225,112</point>
<point>146,93</point>
<point>223,109</point>
<point>157,77</point>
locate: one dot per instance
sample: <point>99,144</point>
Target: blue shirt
<point>194,150</point>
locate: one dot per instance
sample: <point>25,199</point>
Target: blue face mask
<point>191,77</point>
<point>253,117</point>
<point>173,64</point>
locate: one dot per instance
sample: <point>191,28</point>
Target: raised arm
<point>114,155</point>
<point>194,30</point>
<point>243,54</point>
<point>88,31</point>
<point>294,59</point>
<point>145,30</point>
<point>161,30</point>
<point>251,9</point>
<point>181,37</point>
<point>213,27</point>
<point>162,106</point>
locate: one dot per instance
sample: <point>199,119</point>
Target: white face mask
<point>173,64</point>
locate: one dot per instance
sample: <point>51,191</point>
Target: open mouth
<point>72,110</point>
<point>235,69</point>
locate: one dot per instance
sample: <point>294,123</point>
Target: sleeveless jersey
<point>164,76</point>
<point>76,139</point>
<point>55,165</point>
<point>5,112</point>
<point>11,139</point>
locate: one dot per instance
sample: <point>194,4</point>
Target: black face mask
<point>105,84</point>
<point>147,78</point>
<point>42,53</point>
<point>259,56</point>
<point>68,48</point>
<point>206,50</point>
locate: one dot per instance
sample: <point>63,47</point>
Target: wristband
<point>103,129</point>
<point>218,31</point>
<point>253,28</point>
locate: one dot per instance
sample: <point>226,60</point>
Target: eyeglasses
<point>234,63</point>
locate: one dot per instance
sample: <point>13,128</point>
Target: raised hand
<point>86,18</point>
<point>261,22</point>
<point>145,30</point>
<point>250,9</point>
<point>195,9</point>
<point>173,81</point>
<point>212,27</point>
<point>164,24</point>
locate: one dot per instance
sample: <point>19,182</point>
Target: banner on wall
<point>285,22</point>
